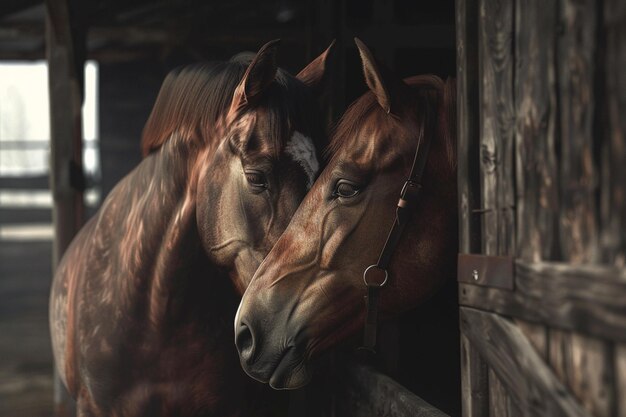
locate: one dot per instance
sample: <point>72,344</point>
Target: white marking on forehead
<point>302,151</point>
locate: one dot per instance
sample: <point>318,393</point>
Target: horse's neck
<point>149,232</point>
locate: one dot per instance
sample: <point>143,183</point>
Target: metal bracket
<point>486,271</point>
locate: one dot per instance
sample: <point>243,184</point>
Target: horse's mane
<point>192,99</point>
<point>444,100</point>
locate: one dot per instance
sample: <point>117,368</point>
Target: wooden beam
<point>613,180</point>
<point>474,381</point>
<point>613,165</point>
<point>535,130</point>
<point>141,35</point>
<point>40,182</point>
<point>8,7</point>
<point>467,125</point>
<point>500,402</point>
<point>23,55</point>
<point>25,215</point>
<point>65,74</point>
<point>528,379</point>
<point>590,299</point>
<point>578,181</point>
<point>365,392</point>
<point>65,51</point>
<point>497,123</point>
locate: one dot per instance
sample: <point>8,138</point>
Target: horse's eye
<point>256,179</point>
<point>346,189</point>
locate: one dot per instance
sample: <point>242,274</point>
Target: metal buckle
<point>409,193</point>
<point>374,284</point>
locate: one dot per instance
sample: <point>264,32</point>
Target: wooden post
<point>65,52</point>
<point>474,371</point>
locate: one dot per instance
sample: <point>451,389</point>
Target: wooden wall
<point>542,195</point>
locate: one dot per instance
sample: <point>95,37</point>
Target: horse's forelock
<point>366,110</point>
<point>190,102</point>
<point>290,106</point>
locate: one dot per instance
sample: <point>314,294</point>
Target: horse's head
<point>308,294</point>
<point>253,138</point>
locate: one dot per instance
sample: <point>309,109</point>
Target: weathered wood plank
<point>498,397</point>
<point>25,355</point>
<point>501,403</point>
<point>41,182</point>
<point>537,335</point>
<point>522,371</point>
<point>497,125</point>
<point>65,53</point>
<point>535,133</point>
<point>620,382</point>
<point>467,125</point>
<point>474,381</point>
<point>25,215</point>
<point>584,365</point>
<point>578,181</point>
<point>535,129</point>
<point>586,298</point>
<point>65,73</point>
<point>613,185</point>
<point>366,393</point>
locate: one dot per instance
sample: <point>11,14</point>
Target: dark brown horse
<point>308,294</point>
<point>142,302</point>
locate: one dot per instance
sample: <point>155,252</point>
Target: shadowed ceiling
<point>134,29</point>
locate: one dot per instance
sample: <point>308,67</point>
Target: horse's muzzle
<point>264,358</point>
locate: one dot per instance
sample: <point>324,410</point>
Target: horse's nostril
<point>244,340</point>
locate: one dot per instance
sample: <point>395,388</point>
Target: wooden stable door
<point>542,198</point>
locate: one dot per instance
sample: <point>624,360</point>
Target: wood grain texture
<point>467,125</point>
<point>25,356</point>
<point>498,397</point>
<point>584,364</point>
<point>527,378</point>
<point>536,165</point>
<point>613,185</point>
<point>537,335</point>
<point>500,402</point>
<point>65,53</point>
<point>474,381</point>
<point>578,177</point>
<point>497,125</point>
<point>590,299</point>
<point>535,129</point>
<point>366,393</point>
<point>620,380</point>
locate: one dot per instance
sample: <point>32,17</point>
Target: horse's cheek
<point>218,212</point>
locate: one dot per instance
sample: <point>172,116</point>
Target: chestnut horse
<point>143,300</point>
<point>308,294</point>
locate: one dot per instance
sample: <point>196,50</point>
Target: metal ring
<point>365,275</point>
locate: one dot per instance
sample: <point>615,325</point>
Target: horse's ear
<point>259,75</point>
<point>315,74</point>
<point>378,78</point>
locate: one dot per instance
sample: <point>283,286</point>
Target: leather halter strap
<point>409,196</point>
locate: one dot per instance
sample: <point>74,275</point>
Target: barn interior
<point>120,52</point>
